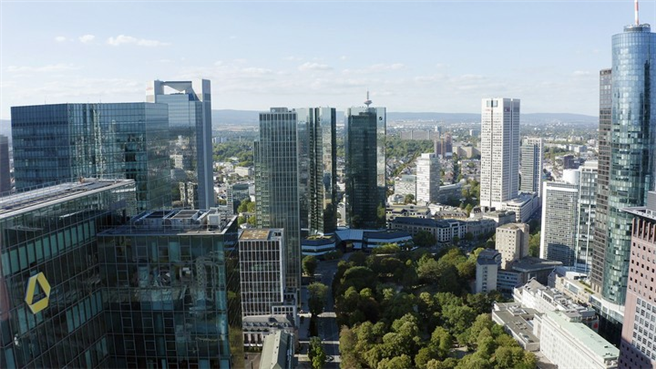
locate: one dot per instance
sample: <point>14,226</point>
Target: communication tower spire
<point>637,19</point>
<point>367,102</point>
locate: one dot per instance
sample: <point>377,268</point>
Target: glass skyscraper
<point>531,165</point>
<point>5,169</point>
<point>165,299</point>
<point>318,169</point>
<point>276,186</point>
<point>64,142</point>
<point>366,188</point>
<point>629,171</point>
<point>51,294</point>
<point>190,135</point>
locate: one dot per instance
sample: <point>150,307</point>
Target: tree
<point>316,353</point>
<point>310,264</point>
<point>409,199</point>
<point>317,294</point>
<point>424,239</point>
<point>534,244</point>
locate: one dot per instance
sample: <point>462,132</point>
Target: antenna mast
<point>637,19</point>
<point>368,102</point>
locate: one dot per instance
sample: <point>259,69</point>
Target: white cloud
<point>86,38</point>
<point>127,40</point>
<point>60,38</point>
<point>313,66</point>
<point>46,68</point>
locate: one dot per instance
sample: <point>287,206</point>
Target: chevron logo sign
<point>31,288</point>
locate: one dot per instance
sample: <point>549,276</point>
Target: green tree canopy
<point>310,263</point>
<point>317,295</point>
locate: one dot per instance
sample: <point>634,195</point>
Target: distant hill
<point>250,117</point>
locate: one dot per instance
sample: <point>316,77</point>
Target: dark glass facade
<point>365,167</point>
<point>64,142</point>
<point>318,169</point>
<point>51,294</point>
<point>166,298</point>
<point>631,159</point>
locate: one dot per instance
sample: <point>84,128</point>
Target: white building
<point>586,214</point>
<point>406,185</point>
<point>499,151</point>
<point>523,205</point>
<point>559,222</point>
<point>487,267</point>
<point>512,242</point>
<point>568,343</point>
<point>428,178</point>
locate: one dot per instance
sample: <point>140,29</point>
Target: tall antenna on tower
<point>368,102</point>
<point>637,19</point>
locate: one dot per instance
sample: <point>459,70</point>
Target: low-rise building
<point>523,205</point>
<point>444,230</point>
<point>518,322</point>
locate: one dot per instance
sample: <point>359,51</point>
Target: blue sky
<point>441,56</point>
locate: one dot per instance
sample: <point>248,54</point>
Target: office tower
<point>190,135</point>
<point>262,271</point>
<point>317,135</point>
<point>487,270</point>
<point>586,216</point>
<point>366,188</point>
<point>164,275</point>
<point>276,186</point>
<point>627,173</point>
<point>512,242</point>
<point>51,295</point>
<point>531,165</point>
<point>5,169</point>
<point>64,142</point>
<point>499,151</point>
<point>559,220</point>
<point>637,349</point>
<point>428,178</point>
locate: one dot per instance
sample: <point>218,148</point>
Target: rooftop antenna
<point>368,102</point>
<point>637,20</point>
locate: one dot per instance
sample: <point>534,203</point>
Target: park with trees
<point>414,310</point>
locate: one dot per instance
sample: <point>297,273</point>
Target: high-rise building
<point>512,242</point>
<point>636,348</point>
<point>262,273</point>
<point>164,279</point>
<point>586,216</point>
<point>428,178</point>
<point>558,234</point>
<point>190,134</point>
<point>276,186</point>
<point>499,151</point>
<point>627,173</point>
<point>603,176</point>
<point>51,296</point>
<point>5,169</point>
<point>366,188</point>
<point>532,156</point>
<point>64,142</point>
<point>317,135</point>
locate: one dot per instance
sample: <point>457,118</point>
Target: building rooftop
<point>177,221</point>
<point>530,264</point>
<point>522,199</point>
<point>585,335</point>
<point>512,226</point>
<point>23,202</point>
<point>275,351</point>
<point>262,234</point>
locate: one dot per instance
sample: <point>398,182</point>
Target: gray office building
<point>317,169</point>
<point>626,172</point>
<point>190,135</point>
<point>366,187</point>
<point>558,235</point>
<point>276,185</point>
<point>65,142</point>
<point>531,165</point>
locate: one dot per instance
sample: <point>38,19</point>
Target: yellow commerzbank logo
<point>31,287</point>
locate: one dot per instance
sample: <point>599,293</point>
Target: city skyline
<point>427,56</point>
